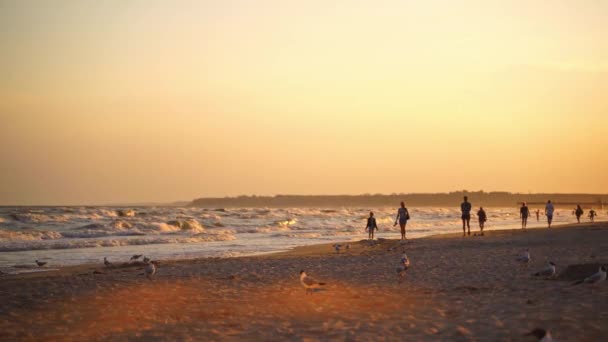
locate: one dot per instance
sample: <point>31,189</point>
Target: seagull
<point>40,263</point>
<point>146,260</point>
<point>542,335</point>
<point>337,248</point>
<point>594,278</point>
<point>136,256</point>
<point>308,282</point>
<point>549,271</point>
<point>150,270</point>
<point>524,257</point>
<point>404,265</point>
<point>106,262</point>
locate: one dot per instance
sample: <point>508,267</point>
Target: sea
<point>63,236</point>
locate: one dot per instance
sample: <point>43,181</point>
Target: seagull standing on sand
<point>308,282</point>
<point>150,270</point>
<point>337,248</point>
<point>136,256</point>
<point>40,263</point>
<point>549,271</point>
<point>524,257</point>
<point>404,265</point>
<point>595,278</point>
<point>106,262</point>
<point>542,335</point>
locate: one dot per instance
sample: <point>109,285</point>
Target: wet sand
<point>457,289</point>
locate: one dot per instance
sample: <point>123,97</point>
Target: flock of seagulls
<point>149,270</point>
<point>337,247</point>
<point>550,271</point>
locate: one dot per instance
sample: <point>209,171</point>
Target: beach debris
<point>146,260</point>
<point>150,270</point>
<point>541,334</point>
<point>309,282</point>
<point>595,278</point>
<point>548,272</point>
<point>524,257</point>
<point>98,272</point>
<point>40,263</point>
<point>106,262</point>
<point>404,265</point>
<point>136,256</point>
<point>337,248</point>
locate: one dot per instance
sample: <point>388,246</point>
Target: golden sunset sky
<point>131,101</point>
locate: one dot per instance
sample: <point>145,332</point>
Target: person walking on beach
<point>524,212</point>
<point>578,212</point>
<point>465,208</point>
<point>537,215</point>
<point>549,209</point>
<point>481,215</point>
<point>371,225</point>
<point>402,216</point>
<point>592,215</point>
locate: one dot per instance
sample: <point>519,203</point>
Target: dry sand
<point>458,289</point>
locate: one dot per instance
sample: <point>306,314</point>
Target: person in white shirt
<point>549,209</point>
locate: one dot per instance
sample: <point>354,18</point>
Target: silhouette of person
<point>592,215</point>
<point>578,212</point>
<point>481,215</point>
<point>537,215</point>
<point>524,212</point>
<point>402,216</point>
<point>465,208</point>
<point>549,209</point>
<point>371,225</point>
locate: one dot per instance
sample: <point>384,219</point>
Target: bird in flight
<point>136,256</point>
<point>309,282</point>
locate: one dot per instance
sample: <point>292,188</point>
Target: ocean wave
<point>28,235</point>
<point>63,243</point>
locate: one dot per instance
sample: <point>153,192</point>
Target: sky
<point>158,101</point>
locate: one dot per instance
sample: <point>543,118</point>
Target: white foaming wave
<point>33,217</point>
<point>28,235</point>
<point>63,243</point>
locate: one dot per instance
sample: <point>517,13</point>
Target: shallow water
<point>81,235</point>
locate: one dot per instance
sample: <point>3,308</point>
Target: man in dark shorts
<point>371,225</point>
<point>524,212</point>
<point>465,208</point>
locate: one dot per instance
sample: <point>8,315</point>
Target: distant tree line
<point>477,198</point>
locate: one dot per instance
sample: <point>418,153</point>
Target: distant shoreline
<point>479,198</point>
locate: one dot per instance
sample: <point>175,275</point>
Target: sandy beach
<point>457,289</point>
